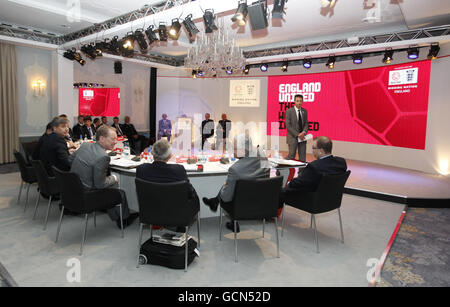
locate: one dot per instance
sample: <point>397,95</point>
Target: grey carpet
<point>9,168</point>
<point>420,255</point>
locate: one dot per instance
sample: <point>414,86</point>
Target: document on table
<point>126,163</point>
<point>286,162</point>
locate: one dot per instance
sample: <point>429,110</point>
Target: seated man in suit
<point>251,166</point>
<point>117,126</point>
<point>104,121</point>
<point>37,149</point>
<point>53,150</point>
<point>325,164</point>
<point>88,131</point>
<point>137,142</point>
<point>77,130</point>
<point>97,123</point>
<point>91,163</point>
<point>161,172</point>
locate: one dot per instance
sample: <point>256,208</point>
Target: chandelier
<point>215,54</point>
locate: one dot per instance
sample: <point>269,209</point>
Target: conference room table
<point>207,183</point>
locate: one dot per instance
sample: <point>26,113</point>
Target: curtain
<point>9,125</point>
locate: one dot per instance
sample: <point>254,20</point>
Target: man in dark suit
<point>207,128</point>
<point>37,149</point>
<point>117,126</point>
<point>164,128</point>
<point>78,128</point>
<point>161,172</point>
<point>137,142</point>
<point>104,121</point>
<point>297,127</point>
<point>91,163</point>
<point>54,150</point>
<point>97,123</point>
<point>325,164</point>
<point>223,132</point>
<point>88,130</point>
<point>251,166</point>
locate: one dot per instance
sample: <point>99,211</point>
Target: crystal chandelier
<point>215,54</point>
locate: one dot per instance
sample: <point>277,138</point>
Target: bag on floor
<point>167,255</point>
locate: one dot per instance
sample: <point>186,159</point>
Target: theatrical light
<point>140,38</point>
<point>89,51</point>
<point>357,59</point>
<point>162,30</point>
<point>278,9</point>
<point>113,46</point>
<point>126,45</point>
<point>327,3</point>
<point>413,53</point>
<point>70,54</point>
<point>208,18</point>
<point>284,66</point>
<point>307,63</point>
<point>434,50</point>
<point>200,73</point>
<point>194,74</point>
<point>174,31</point>
<point>229,70</point>
<point>257,12</point>
<point>331,62</point>
<point>263,67</point>
<point>151,35</point>
<point>246,69</point>
<point>388,56</point>
<point>241,13</point>
<point>190,26</point>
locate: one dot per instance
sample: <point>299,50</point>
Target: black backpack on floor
<point>166,255</point>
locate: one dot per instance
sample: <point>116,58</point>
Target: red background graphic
<point>105,102</point>
<point>360,106</point>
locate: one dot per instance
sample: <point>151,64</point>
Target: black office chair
<point>327,197</point>
<point>48,187</point>
<point>255,199</point>
<point>78,200</point>
<point>167,205</point>
<point>27,173</point>
<point>28,148</point>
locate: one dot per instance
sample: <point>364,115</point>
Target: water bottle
<point>276,154</point>
<point>126,150</point>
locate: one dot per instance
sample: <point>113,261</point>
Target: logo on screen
<point>404,76</point>
<point>88,94</point>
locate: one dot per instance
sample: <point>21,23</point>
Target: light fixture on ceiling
<point>229,70</point>
<point>257,12</point>
<point>194,74</point>
<point>174,32</point>
<point>140,38</point>
<point>246,69</point>
<point>113,46</point>
<point>307,63</point>
<point>190,26</point>
<point>162,30</point>
<point>413,53</point>
<point>264,67</point>
<point>126,45</point>
<point>388,56</point>
<point>208,18</point>
<point>331,61</point>
<point>434,50</point>
<point>357,58</point>
<point>278,9</point>
<point>241,13</point>
<point>284,66</point>
<point>327,3</point>
<point>89,50</point>
<point>200,73</point>
<point>151,35</point>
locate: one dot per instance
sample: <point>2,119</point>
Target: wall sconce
<point>38,87</point>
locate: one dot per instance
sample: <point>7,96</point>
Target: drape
<point>9,125</point>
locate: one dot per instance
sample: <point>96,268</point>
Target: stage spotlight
<point>162,30</point>
<point>200,73</point>
<point>434,50</point>
<point>99,47</point>
<point>126,45</point>
<point>229,70</point>
<point>70,54</point>
<point>388,56</point>
<point>264,67</point>
<point>113,46</point>
<point>307,63</point>
<point>331,62</point>
<point>284,66</point>
<point>151,35</point>
<point>194,74</point>
<point>246,69</point>
<point>241,13</point>
<point>357,59</point>
<point>208,18</point>
<point>174,32</point>
<point>257,12</point>
<point>413,53</point>
<point>278,9</point>
<point>89,51</point>
<point>190,26</point>
<point>140,38</point>
<point>327,3</point>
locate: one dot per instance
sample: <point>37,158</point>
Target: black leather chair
<point>29,148</point>
<point>27,173</point>
<point>48,187</point>
<point>167,205</point>
<point>256,199</point>
<point>80,201</point>
<point>327,197</point>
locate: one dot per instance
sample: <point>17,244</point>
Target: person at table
<point>116,125</point>
<point>88,130</point>
<point>137,142</point>
<point>223,132</point>
<point>53,149</point>
<point>250,166</point>
<point>104,121</point>
<point>164,128</point>
<point>37,149</point>
<point>97,123</point>
<point>91,163</point>
<point>78,128</point>
<point>207,128</point>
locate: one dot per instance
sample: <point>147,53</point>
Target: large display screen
<point>99,101</point>
<point>384,105</point>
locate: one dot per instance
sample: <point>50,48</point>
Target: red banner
<point>99,101</point>
<point>384,105</point>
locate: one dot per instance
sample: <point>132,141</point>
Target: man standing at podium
<point>223,132</point>
<point>297,127</point>
<point>207,128</point>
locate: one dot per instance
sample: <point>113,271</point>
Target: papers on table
<point>125,163</point>
<point>307,138</point>
<point>286,162</point>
